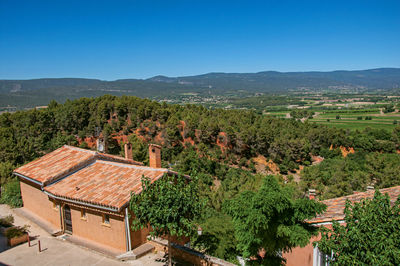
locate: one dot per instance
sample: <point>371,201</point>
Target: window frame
<point>320,258</point>
<point>83,215</point>
<point>106,221</point>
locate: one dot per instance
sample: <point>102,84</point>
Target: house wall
<point>300,256</point>
<point>305,255</point>
<point>92,228</point>
<point>137,237</point>
<point>140,237</point>
<point>39,203</point>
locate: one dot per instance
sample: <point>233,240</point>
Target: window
<point>106,219</point>
<point>320,258</point>
<point>83,215</point>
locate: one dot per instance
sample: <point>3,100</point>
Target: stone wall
<point>187,254</point>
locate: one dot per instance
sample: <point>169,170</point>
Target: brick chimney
<point>155,156</point>
<point>311,194</point>
<point>128,151</point>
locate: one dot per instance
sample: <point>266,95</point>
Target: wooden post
<point>40,250</point>
<point>29,241</point>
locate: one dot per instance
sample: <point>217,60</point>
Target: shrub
<point>7,221</point>
<point>359,118</point>
<point>16,231</point>
<point>11,194</point>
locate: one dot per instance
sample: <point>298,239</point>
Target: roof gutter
<point>328,223</point>
<point>29,179</point>
<point>81,203</point>
<point>128,231</point>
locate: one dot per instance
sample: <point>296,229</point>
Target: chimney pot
<point>155,156</point>
<point>101,145</point>
<point>128,151</point>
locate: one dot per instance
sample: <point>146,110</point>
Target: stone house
<point>86,193</point>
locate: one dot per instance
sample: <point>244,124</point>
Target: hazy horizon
<point>199,74</point>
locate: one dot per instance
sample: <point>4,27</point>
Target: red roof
<point>104,183</point>
<point>335,207</point>
<point>63,161</point>
<point>85,176</point>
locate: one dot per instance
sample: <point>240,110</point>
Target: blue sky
<point>139,39</point>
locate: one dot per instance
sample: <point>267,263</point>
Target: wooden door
<point>67,219</point>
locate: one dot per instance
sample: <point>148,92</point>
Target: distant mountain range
<point>41,91</point>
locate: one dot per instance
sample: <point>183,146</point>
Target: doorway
<point>67,219</point>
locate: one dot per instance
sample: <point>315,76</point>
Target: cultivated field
<point>351,119</point>
<point>372,118</point>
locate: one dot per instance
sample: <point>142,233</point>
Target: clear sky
<point>139,39</point>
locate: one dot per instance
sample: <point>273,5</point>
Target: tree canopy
<point>271,220</point>
<point>169,206</point>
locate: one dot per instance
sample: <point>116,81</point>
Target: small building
<point>86,193</point>
<point>310,255</point>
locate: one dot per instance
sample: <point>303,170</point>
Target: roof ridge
<point>99,155</point>
<point>69,171</point>
<point>79,149</point>
<point>142,167</point>
<point>361,193</point>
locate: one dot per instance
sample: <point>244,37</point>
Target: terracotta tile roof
<point>63,161</point>
<point>104,183</point>
<point>335,207</point>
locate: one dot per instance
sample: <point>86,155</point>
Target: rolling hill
<point>30,93</point>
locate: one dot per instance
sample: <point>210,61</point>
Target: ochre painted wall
<point>93,229</point>
<point>300,256</point>
<point>303,256</point>
<point>138,237</point>
<point>39,203</point>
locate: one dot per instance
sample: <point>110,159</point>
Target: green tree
<point>11,194</point>
<point>371,235</point>
<point>140,149</point>
<point>218,238</point>
<point>272,220</point>
<point>169,206</point>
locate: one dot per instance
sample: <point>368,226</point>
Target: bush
<point>359,118</point>
<point>16,231</point>
<point>7,221</point>
<point>11,194</point>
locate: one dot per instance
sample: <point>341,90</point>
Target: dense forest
<point>222,148</point>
